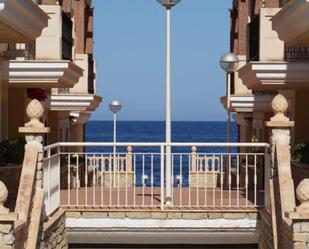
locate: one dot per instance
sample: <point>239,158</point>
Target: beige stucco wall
<point>271,48</point>
<point>48,45</point>
<point>81,87</point>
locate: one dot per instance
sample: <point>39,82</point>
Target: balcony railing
<point>135,175</point>
<point>296,54</point>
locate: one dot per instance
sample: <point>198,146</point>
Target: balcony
<point>292,23</point>
<point>248,104</point>
<point>74,102</point>
<point>275,75</point>
<point>21,21</point>
<point>42,74</point>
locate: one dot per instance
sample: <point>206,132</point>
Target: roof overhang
<point>249,104</point>
<point>275,75</point>
<point>42,74</point>
<point>21,21</point>
<point>292,23</point>
<point>74,102</point>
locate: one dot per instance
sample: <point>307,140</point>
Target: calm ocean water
<point>101,131</point>
<point>154,131</point>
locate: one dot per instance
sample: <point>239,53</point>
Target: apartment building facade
<point>57,67</point>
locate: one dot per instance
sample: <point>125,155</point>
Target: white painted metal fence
<point>203,175</point>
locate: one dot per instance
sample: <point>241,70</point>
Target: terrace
<point>126,176</point>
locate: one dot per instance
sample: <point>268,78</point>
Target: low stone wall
<point>301,234</point>
<point>163,215</point>
<point>54,233</point>
<point>6,234</point>
<point>10,176</point>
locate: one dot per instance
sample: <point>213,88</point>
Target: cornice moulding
<point>21,21</point>
<point>43,74</point>
<point>275,75</point>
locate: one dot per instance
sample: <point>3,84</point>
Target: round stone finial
<point>302,193</point>
<point>35,111</point>
<point>194,149</point>
<point>3,197</point>
<point>129,149</point>
<point>279,104</point>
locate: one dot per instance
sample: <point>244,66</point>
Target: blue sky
<point>130,55</point>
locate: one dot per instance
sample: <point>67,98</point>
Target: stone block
<point>94,214</point>
<point>174,215</point>
<point>138,215</point>
<point>117,215</point>
<point>6,247</point>
<point>5,228</point>
<point>304,227</point>
<point>7,239</point>
<point>194,216</point>
<point>234,216</point>
<point>73,214</point>
<point>159,215</point>
<point>296,227</point>
<point>252,216</point>
<point>299,245</point>
<point>214,215</point>
<point>301,237</point>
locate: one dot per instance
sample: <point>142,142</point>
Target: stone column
<point>282,187</point>
<point>34,131</point>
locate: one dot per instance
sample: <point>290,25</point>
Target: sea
<point>154,131</point>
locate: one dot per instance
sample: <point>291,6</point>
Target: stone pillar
<point>282,186</point>
<point>34,131</point>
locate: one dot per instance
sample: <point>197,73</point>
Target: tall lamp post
<point>115,107</point>
<point>168,4</point>
<point>229,63</point>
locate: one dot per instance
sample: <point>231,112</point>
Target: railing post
<point>168,176</point>
<point>267,176</point>
<point>162,176</point>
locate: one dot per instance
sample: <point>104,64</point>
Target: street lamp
<point>229,63</point>
<point>168,4</point>
<point>115,107</point>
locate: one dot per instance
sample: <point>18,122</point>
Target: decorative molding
<point>274,75</point>
<point>43,74</point>
<point>249,103</point>
<point>74,102</point>
<point>292,23</point>
<point>21,21</point>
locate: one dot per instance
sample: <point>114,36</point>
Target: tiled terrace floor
<point>140,198</point>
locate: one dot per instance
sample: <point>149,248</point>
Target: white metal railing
<point>203,175</point>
